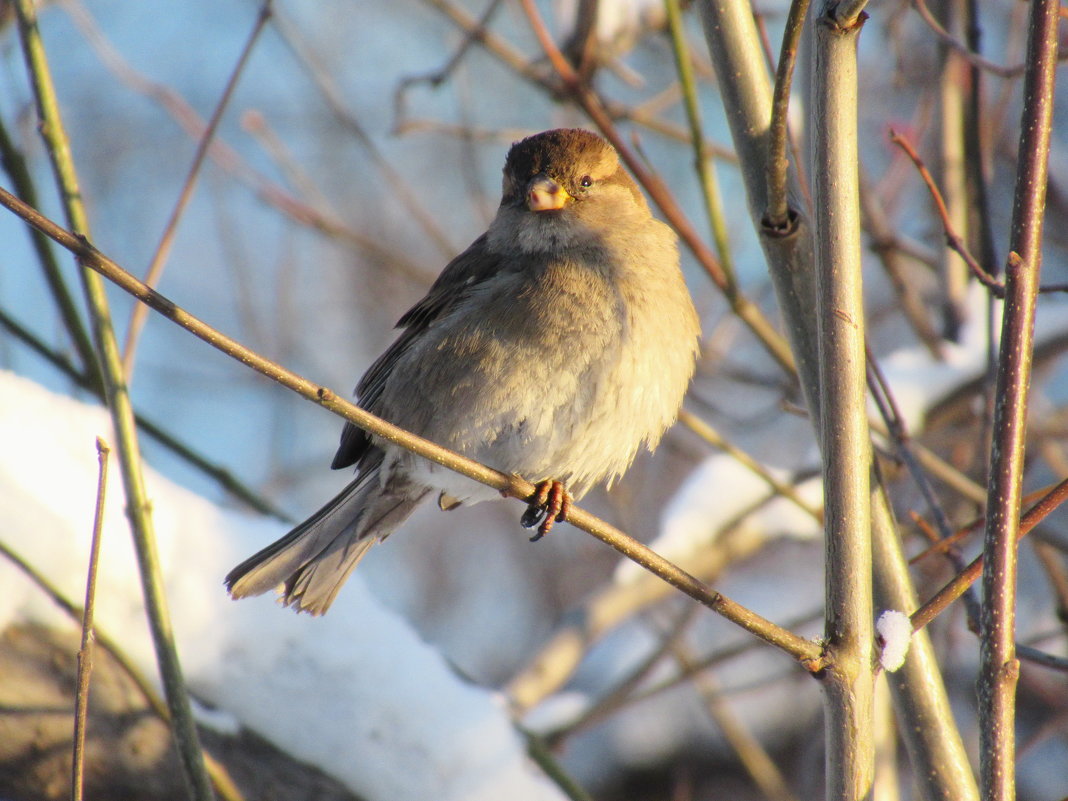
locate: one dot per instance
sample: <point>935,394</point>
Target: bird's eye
<point>586,182</point>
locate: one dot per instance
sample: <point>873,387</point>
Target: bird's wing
<point>471,268</point>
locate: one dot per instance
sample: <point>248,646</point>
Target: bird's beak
<point>545,194</point>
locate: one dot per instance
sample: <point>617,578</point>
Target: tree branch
<point>845,442</point>
<point>511,485</point>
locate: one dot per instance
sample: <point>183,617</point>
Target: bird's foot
<point>551,502</point>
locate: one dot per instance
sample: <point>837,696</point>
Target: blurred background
<point>361,150</point>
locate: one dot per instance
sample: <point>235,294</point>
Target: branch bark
<point>845,443</point>
<point>511,485</point>
<point>933,742</point>
<point>999,668</point>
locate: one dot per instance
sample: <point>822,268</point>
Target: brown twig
<point>942,544</point>
<point>513,486</point>
<point>953,239</point>
<point>777,215</point>
<point>220,778</point>
<point>85,652</point>
<point>955,588</point>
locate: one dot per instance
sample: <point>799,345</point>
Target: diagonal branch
<point>800,648</point>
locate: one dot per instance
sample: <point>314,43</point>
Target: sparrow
<point>558,344</point>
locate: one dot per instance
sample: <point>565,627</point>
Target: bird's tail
<point>311,562</point>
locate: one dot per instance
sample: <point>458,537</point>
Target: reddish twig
<point>955,588</point>
<point>953,239</point>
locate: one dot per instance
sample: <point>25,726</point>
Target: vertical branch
<point>845,442</point>
<point>118,401</point>
<point>737,57</point>
<point>85,652</point>
<point>999,668</point>
<point>928,730</point>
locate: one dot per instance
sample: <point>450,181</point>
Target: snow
<point>721,490</point>
<point>894,631</point>
<point>360,696</point>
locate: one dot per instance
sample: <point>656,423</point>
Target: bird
<point>557,345</point>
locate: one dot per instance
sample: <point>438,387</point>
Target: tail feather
<point>313,587</point>
<point>311,562</point>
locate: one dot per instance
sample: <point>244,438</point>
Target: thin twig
<point>953,239</point>
<point>220,778</point>
<point>888,409</point>
<point>511,485</point>
<point>705,431</point>
<point>139,313</point>
<point>777,215</point>
<point>940,545</point>
<point>955,588</point>
<point>85,652</point>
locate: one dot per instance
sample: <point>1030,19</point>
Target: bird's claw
<point>550,503</point>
